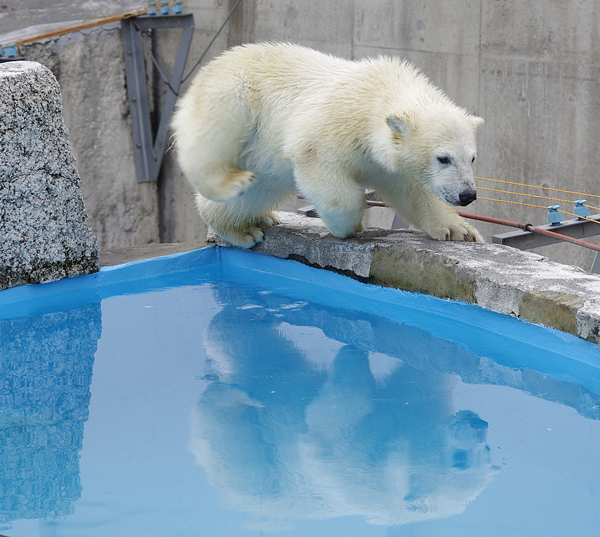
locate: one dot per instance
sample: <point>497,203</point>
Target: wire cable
<point>534,196</point>
<point>539,207</point>
<point>155,62</point>
<point>540,187</point>
<point>211,42</point>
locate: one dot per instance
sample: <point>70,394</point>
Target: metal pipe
<point>532,229</point>
<point>79,25</point>
<point>493,220</point>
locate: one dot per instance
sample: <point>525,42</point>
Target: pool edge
<point>495,277</point>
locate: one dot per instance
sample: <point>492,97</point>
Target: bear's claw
<point>244,238</point>
<point>463,232</point>
<point>249,234</point>
<point>268,220</point>
<point>457,232</point>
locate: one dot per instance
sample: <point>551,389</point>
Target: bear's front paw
<point>472,234</point>
<point>267,220</point>
<point>457,232</point>
<point>244,237</point>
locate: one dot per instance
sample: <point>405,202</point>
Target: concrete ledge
<point>127,254</point>
<point>497,278</point>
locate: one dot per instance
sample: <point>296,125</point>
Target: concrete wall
<point>531,69</point>
<point>91,73</point>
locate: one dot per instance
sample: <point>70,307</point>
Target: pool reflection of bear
<point>320,440</point>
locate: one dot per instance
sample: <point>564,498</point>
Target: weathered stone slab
<point>44,230</point>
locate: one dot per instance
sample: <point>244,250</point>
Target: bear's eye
<point>472,160</point>
<point>444,160</point>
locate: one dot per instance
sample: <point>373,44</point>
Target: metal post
<point>148,153</point>
<point>137,92</point>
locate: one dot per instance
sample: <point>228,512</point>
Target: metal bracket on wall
<point>579,229</point>
<point>148,152</point>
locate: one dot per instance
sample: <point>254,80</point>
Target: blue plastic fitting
<point>1,51</point>
<point>10,51</point>
<point>164,8</point>
<point>581,210</point>
<point>151,9</point>
<point>177,7</point>
<point>554,216</point>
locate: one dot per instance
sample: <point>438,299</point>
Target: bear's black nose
<point>466,197</point>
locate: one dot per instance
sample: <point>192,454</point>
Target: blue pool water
<point>223,393</point>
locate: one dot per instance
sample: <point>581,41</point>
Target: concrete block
<point>45,234</point>
<point>564,32</point>
<point>552,309</point>
<point>494,277</point>
<point>327,26</point>
<point>415,25</point>
<point>302,239</point>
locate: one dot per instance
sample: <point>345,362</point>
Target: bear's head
<point>436,147</point>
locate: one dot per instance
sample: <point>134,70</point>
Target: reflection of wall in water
<point>45,374</point>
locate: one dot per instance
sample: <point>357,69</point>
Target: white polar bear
<point>264,120</point>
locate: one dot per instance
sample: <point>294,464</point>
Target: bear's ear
<point>476,121</point>
<point>400,127</point>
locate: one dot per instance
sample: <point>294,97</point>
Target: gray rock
<point>44,230</point>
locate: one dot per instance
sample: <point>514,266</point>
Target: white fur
<point>265,120</point>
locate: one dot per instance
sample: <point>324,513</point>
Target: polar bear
<point>263,121</point>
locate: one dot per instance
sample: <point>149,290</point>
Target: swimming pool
<point>225,393</point>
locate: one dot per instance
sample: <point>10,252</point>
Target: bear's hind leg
<point>216,176</point>
<point>241,221</point>
<point>227,182</point>
<point>210,139</point>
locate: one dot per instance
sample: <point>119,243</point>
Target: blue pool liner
<point>505,339</point>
